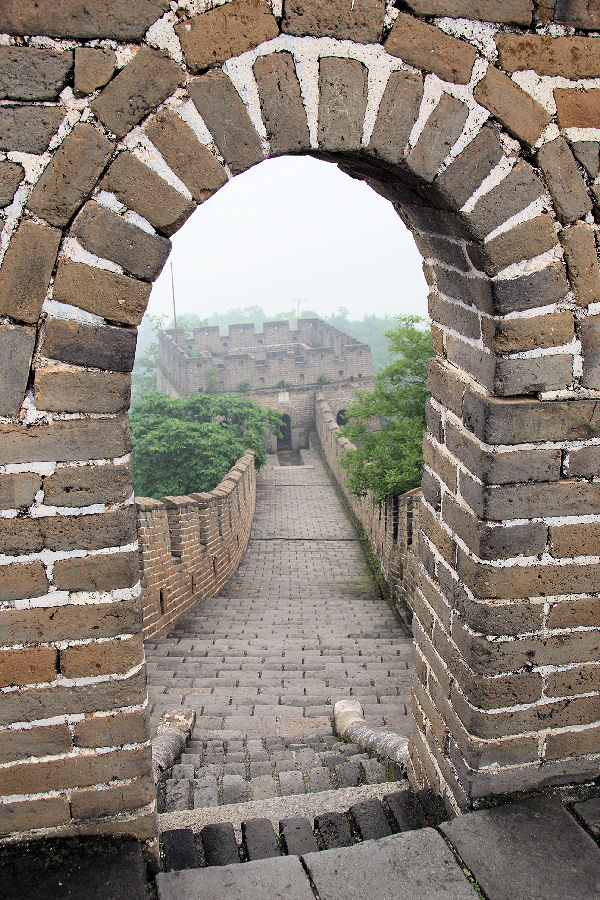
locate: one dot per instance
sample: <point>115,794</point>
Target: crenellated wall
<point>392,528</point>
<point>191,546</point>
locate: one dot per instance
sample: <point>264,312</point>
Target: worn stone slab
<point>400,867</point>
<point>178,848</point>
<point>398,112</point>
<point>298,835</point>
<point>281,103</point>
<point>11,175</point>
<point>525,850</point>
<point>94,67</point>
<point>283,877</point>
<point>225,31</point>
<point>589,812</point>
<point>342,103</point>
<point>28,128</point>
<point>361,22</point>
<point>26,270</point>
<point>371,819</point>
<point>115,297</point>
<point>219,844</point>
<point>259,839</point>
<point>16,349</point>
<point>27,73</point>
<point>121,20</point>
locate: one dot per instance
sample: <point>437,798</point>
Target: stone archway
<point>481,171</point>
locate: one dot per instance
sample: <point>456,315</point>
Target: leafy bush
<point>323,378</point>
<point>244,386</point>
<point>283,385</point>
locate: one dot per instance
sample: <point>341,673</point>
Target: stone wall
<point>191,546</point>
<point>392,527</point>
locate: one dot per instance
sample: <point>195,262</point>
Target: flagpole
<point>174,310</point>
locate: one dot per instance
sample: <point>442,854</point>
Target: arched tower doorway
<point>285,441</point>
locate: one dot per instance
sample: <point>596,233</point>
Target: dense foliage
<point>182,446</point>
<point>389,461</point>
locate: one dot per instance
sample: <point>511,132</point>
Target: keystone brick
<point>26,270</point>
<point>225,31</point>
<point>44,740</point>
<point>92,803</point>
<point>523,421</point>
<point>360,22</point>
<point>31,814</point>
<point>98,346</point>
<point>516,191</point>
<point>281,103</point>
<point>427,47</point>
<point>570,57</point>
<point>71,175</point>
<point>19,580</point>
<point>110,236</point>
<point>465,173</point>
<point>564,180</point>
<point>32,665</point>
<point>588,154</point>
<point>65,623</point>
<point>511,12</point>
<point>107,658</point>
<point>589,335</point>
<point>141,189</point>
<point>524,241</point>
<point>68,391</point>
<point>86,485</point>
<point>107,572</point>
<point>342,103</point>
<point>578,14</point>
<point>520,335</point>
<point>121,20</point>
<point>30,74</point>
<point>441,131</point>
<point>398,112</point>
<point>18,491</point>
<point>582,262</point>
<point>146,81</point>
<point>227,119</point>
<point>577,108</point>
<point>539,289</point>
<point>28,129</point>
<point>520,114</point>
<point>93,69</point>
<point>65,441</point>
<point>16,349</point>
<point>191,161</point>
<point>529,501</point>
<point>575,539</point>
<point>11,175</point>
<point>116,298</point>
<point>111,731</point>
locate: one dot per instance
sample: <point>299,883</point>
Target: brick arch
<point>483,175</point>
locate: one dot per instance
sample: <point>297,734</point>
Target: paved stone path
<point>300,626</point>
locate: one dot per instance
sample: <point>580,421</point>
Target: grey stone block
<point>334,829</point>
<point>370,819</point>
<point>219,845</point>
<point>291,783</point>
<point>298,836</point>
<point>283,877</point>
<point>178,849</point>
<point>259,839</point>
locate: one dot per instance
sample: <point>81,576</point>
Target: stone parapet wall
<point>191,546</point>
<point>392,527</point>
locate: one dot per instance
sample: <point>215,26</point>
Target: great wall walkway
<point>301,625</point>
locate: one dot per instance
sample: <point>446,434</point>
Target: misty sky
<point>290,228</point>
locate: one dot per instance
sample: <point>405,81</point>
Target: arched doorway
<point>285,441</point>
<point>341,418</point>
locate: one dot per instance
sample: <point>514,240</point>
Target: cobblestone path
<point>300,626</point>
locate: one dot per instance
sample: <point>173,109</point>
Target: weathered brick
<point>577,680</point>
<point>225,31</point>
<point>489,542</point>
<point>570,57</point>
<point>191,161</point>
<point>227,119</point>
<point>112,731</point>
<point>441,131</point>
<point>578,14</point>
<point>584,462</point>
<point>541,288</point>
<point>121,20</point>
<point>146,81</point>
<point>576,539</point>
<point>342,103</point>
<point>436,457</point>
<point>31,665</point>
<point>528,501</point>
<point>511,12</point>
<point>116,298</point>
<point>28,815</point>
<point>584,611</point>
<point>444,543</point>
<point>516,191</point>
<point>59,390</point>
<point>92,803</point>
<point>445,385</point>
<point>588,331</point>
<point>519,335</point>
<point>71,175</point>
<point>360,22</point>
<point>509,377</point>
<point>65,441</point>
<point>141,189</point>
<point>28,129</point>
<point>106,572</point>
<point>471,290</point>
<point>520,114</point>
<point>90,532</point>
<point>582,262</point>
<point>43,740</point>
<point>86,485</point>
<point>564,180</point>
<point>577,108</point>
<point>524,241</point>
<point>70,622</point>
<point>427,47</point>
<point>434,420</point>
<point>26,270</point>
<point>94,67</point>
<point>450,253</point>
<point>110,236</point>
<point>398,112</point>
<point>11,175</point>
<point>19,580</point>
<point>106,658</point>
<point>16,349</point>
<point>281,103</point>
<point>588,154</point>
<point>98,346</point>
<point>466,172</point>
<point>455,316</point>
<point>18,491</point>
<point>27,73</point>
<point>573,743</point>
<point>503,690</point>
<point>523,421</point>
<point>493,618</point>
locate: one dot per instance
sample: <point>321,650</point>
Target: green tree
<point>182,446</point>
<point>389,461</point>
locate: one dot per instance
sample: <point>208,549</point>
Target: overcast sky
<point>290,228</point>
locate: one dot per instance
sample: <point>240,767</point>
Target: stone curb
<point>349,723</point>
<point>172,734</point>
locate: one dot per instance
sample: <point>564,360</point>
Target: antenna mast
<point>174,310</point>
